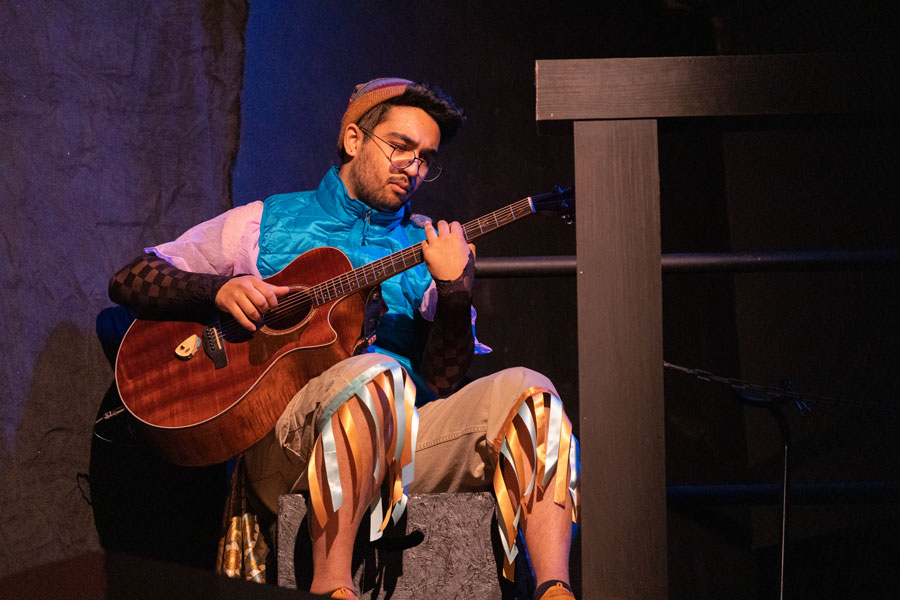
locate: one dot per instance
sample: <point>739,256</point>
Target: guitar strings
<point>352,278</point>
<point>335,287</point>
<point>306,299</point>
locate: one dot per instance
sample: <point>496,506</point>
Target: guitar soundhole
<point>293,309</point>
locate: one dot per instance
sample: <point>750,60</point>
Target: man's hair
<point>428,97</point>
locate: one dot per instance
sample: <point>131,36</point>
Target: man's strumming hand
<point>247,298</point>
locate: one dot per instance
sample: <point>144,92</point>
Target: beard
<point>372,186</point>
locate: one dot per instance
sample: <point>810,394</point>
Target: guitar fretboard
<point>384,268</point>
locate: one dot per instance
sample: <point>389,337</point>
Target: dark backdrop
<point>123,123</point>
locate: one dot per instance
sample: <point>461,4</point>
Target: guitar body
<point>194,413</point>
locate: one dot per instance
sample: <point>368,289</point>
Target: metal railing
<point>735,262</point>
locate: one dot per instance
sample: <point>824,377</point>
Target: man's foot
<point>553,590</point>
<point>343,594</point>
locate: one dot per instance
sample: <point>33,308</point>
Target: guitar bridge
<point>214,346</point>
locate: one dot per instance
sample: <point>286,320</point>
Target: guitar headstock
<point>559,201</point>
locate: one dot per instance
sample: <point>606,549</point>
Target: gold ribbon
<point>394,454</point>
<point>546,456</point>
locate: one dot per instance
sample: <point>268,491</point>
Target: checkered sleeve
<point>154,288</point>
<point>451,342</point>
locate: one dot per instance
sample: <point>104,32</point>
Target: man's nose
<point>412,169</point>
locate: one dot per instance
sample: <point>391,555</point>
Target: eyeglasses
<point>402,158</point>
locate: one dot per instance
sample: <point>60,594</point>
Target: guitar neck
<point>385,268</point>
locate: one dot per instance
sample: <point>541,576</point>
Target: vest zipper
<point>365,230</point>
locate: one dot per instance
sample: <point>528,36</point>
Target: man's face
<point>370,176</point>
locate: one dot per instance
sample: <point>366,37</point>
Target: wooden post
<point>624,549</point>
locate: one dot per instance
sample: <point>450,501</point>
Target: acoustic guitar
<point>203,392</point>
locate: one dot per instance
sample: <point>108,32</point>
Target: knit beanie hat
<point>367,95</point>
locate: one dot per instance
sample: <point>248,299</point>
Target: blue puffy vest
<point>294,223</point>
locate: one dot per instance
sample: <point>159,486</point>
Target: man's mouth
<point>400,187</point>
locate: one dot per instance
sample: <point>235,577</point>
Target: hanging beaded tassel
<point>242,547</point>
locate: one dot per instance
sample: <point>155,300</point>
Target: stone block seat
<point>445,546</point>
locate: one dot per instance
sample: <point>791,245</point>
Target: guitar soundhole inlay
<point>292,310</point>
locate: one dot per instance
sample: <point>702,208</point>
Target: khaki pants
<point>457,445</point>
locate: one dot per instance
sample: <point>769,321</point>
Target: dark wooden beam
<point>703,86</point>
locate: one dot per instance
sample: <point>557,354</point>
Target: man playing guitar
<point>392,403</point>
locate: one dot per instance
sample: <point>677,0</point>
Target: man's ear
<point>353,139</point>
